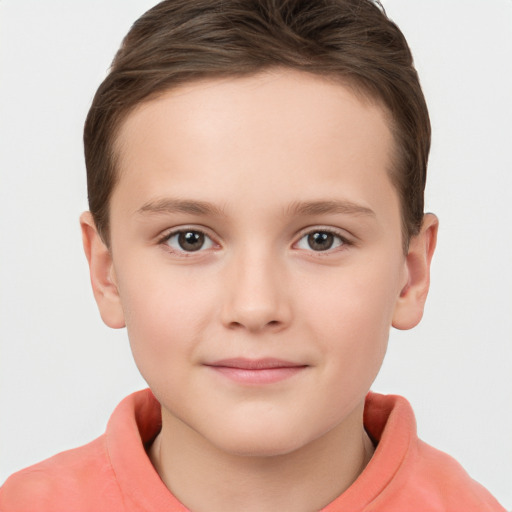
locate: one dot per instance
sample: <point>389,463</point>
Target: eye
<point>321,240</point>
<point>188,240</point>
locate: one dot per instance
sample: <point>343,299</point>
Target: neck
<point>205,478</point>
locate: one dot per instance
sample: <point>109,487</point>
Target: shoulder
<point>99,476</point>
<point>72,480</point>
<point>442,478</point>
<point>407,472</point>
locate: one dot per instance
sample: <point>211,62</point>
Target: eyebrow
<point>169,205</point>
<point>328,207</point>
<point>305,208</point>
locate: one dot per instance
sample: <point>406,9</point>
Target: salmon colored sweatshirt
<point>114,474</point>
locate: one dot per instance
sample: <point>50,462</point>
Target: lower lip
<point>261,376</point>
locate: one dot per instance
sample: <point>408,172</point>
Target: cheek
<point>351,319</point>
<point>360,296</point>
<point>164,315</point>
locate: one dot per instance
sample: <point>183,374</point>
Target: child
<point>256,173</point>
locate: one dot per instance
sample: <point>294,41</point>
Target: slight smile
<point>256,371</point>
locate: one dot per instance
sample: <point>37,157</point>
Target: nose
<point>256,294</point>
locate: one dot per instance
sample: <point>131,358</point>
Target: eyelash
<point>342,241</point>
<point>164,241</point>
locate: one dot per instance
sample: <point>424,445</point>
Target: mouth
<point>256,371</point>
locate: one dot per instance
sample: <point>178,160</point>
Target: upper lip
<point>266,363</point>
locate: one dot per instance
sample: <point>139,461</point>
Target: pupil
<point>191,240</point>
<point>320,241</point>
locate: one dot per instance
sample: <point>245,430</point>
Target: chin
<point>267,441</point>
<point>259,448</point>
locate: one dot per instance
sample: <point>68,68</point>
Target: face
<point>257,255</point>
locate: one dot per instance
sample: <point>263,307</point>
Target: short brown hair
<point>179,41</point>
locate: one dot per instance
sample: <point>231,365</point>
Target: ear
<point>102,273</point>
<point>411,302</point>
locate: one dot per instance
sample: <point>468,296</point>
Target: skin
<point>257,164</point>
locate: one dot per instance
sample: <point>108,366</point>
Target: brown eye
<point>189,241</point>
<point>320,240</point>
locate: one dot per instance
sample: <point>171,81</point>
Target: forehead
<point>281,130</point>
<point>264,99</point>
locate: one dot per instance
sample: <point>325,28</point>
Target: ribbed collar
<point>136,421</point>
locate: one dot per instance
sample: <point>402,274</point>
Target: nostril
<point>272,324</point>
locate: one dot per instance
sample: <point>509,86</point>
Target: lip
<point>256,371</point>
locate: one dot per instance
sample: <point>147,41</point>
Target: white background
<point>62,371</point>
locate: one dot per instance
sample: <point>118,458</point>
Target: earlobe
<point>102,273</point>
<point>411,302</point>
